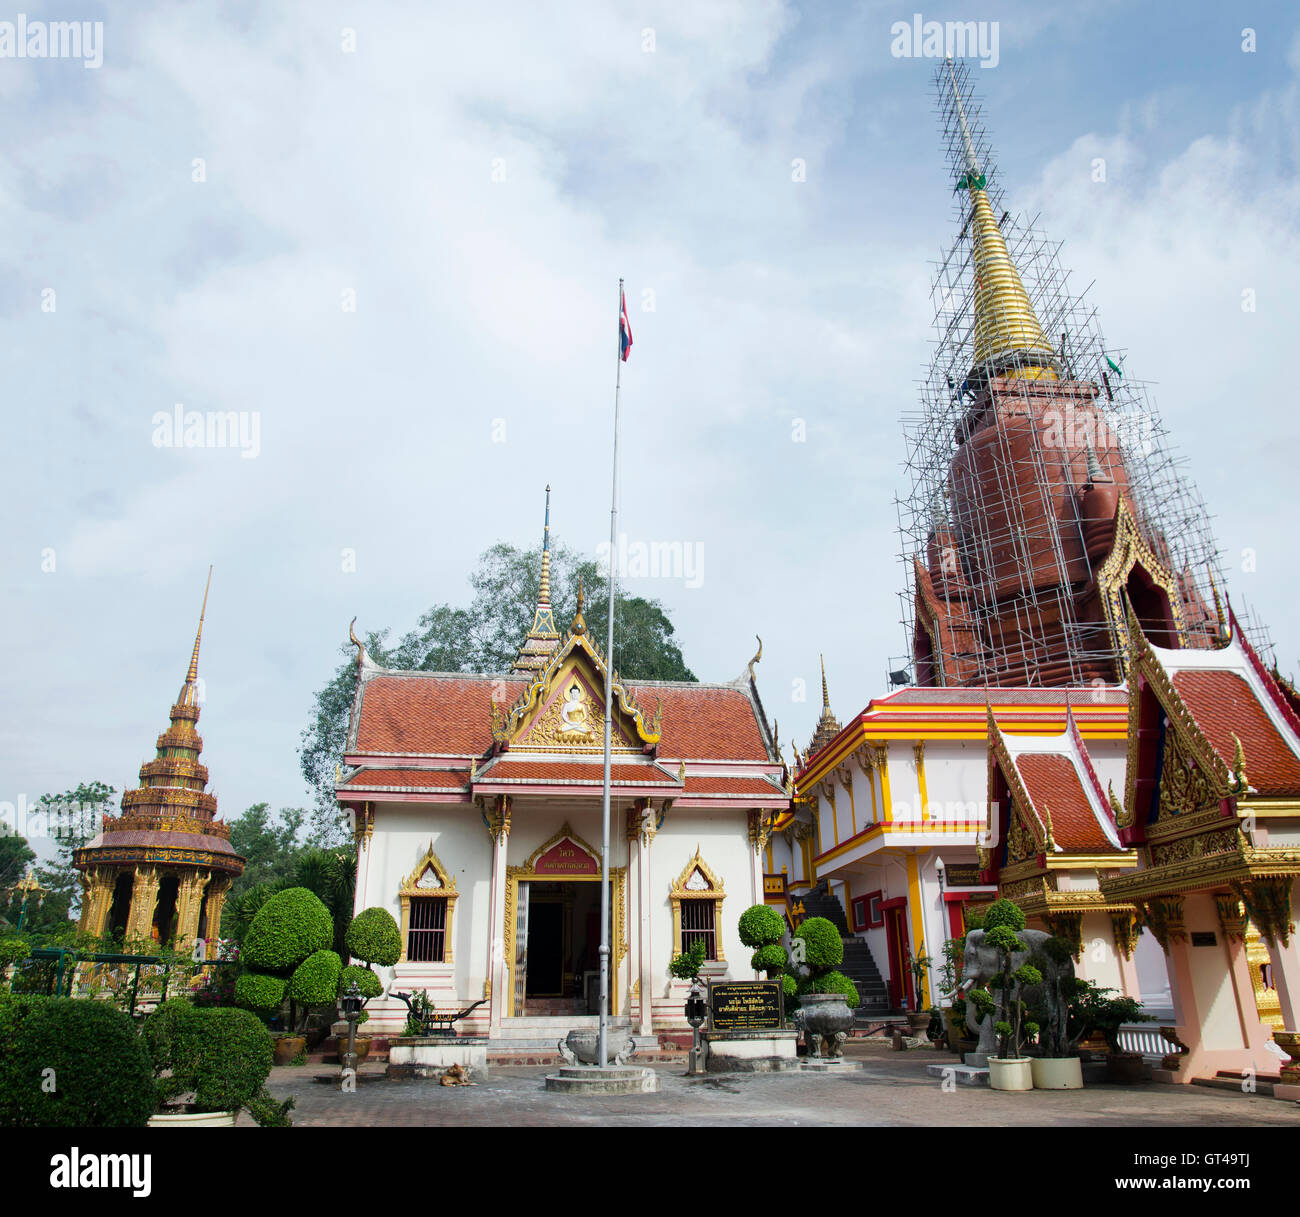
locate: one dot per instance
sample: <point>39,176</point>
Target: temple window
<point>697,895</point>
<point>428,896</point>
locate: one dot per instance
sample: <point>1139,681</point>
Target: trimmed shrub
<point>760,925</point>
<point>88,1049</point>
<point>832,982</point>
<point>374,937</point>
<point>1004,912</point>
<point>823,946</point>
<point>368,984</point>
<point>288,928</point>
<point>790,987</point>
<point>232,1061</point>
<point>770,960</point>
<point>316,981</point>
<point>168,1036</point>
<point>260,991</point>
<point>267,1112</point>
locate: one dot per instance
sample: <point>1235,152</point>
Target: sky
<point>389,238</point>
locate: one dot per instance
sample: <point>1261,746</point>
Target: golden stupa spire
<point>543,639</point>
<point>189,690</point>
<point>828,726</point>
<point>544,595</point>
<point>1009,340</point>
<point>826,697</point>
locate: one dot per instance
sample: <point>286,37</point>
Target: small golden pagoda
<point>828,726</point>
<point>160,871</point>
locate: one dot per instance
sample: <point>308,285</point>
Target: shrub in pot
<point>818,947</point>
<point>100,1070</point>
<point>954,1013</point>
<point>374,938</point>
<point>1064,1016</point>
<point>1108,1015</point>
<point>1003,921</point>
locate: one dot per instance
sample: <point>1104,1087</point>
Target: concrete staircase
<point>858,964</point>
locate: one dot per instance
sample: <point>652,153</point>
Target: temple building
<point>1084,729</point>
<point>476,804</point>
<point>160,871</point>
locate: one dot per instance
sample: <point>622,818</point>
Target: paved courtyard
<point>891,1089</point>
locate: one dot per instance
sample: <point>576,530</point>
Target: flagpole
<point>603,1036</point>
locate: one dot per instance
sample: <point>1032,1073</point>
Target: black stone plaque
<point>746,1005</point>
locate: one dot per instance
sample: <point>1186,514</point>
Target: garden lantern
<point>351,1005</point>
<point>696,1011</point>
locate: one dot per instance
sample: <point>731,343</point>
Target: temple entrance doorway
<point>561,963</point>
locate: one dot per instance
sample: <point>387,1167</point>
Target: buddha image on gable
<point>573,712</point>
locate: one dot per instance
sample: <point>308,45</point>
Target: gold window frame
<point>713,892</point>
<point>445,890</point>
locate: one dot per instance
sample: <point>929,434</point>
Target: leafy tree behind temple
<point>486,638</point>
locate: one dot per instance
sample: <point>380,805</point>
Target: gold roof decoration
<point>828,726</point>
<point>1008,337</point>
<point>579,625</point>
<point>543,639</point>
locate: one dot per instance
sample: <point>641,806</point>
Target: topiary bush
<point>1004,912</point>
<point>221,1057</point>
<point>290,926</point>
<point>368,984</point>
<point>823,947</point>
<point>260,992</point>
<point>760,925</point>
<point>373,937</point>
<point>833,982</point>
<point>71,1063</point>
<point>771,960</point>
<point>315,982</point>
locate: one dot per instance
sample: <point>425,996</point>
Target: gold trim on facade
<point>714,892</point>
<point>446,890</point>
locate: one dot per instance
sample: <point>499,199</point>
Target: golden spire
<point>543,639</point>
<point>1008,335</point>
<point>544,595</point>
<point>579,625</point>
<point>826,697</point>
<point>828,726</point>
<point>189,690</point>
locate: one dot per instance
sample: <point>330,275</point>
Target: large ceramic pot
<point>1124,1068</point>
<point>584,1045</point>
<point>1015,1073</point>
<point>826,1020</point>
<point>1289,1042</point>
<point>918,1022</point>
<point>1057,1073</point>
<point>288,1047</point>
<point>193,1119</point>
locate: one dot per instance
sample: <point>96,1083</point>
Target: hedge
<point>86,1052</point>
<point>290,926</point>
<point>374,937</point>
<point>220,1055</point>
<point>316,981</point>
<point>823,946</point>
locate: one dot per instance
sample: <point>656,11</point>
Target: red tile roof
<point>509,769</point>
<point>1052,782</point>
<point>731,786</point>
<point>422,779</point>
<point>703,722</point>
<point>1224,705</point>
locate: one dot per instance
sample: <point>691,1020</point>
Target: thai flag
<point>624,327</point>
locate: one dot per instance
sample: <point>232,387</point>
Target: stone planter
<point>193,1119</point>
<point>825,1019</point>
<point>1289,1042</point>
<point>582,1046</point>
<point>288,1047</point>
<point>1015,1073</point>
<point>918,1022</point>
<point>1057,1073</point>
<point>1124,1068</point>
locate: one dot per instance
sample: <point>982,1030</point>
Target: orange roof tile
<point>704,722</point>
<point>1224,705</point>
<point>422,779</point>
<point>1052,781</point>
<point>731,786</point>
<point>509,769</point>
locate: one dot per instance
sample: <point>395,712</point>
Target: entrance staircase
<point>858,965</point>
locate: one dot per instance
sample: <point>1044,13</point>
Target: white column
<point>499,823</point>
<point>644,895</point>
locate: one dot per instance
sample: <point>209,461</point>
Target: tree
<point>486,638</point>
<point>268,841</point>
<point>73,819</point>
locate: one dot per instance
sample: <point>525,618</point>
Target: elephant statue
<point>981,966</point>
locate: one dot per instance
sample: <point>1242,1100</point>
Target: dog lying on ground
<point>457,1075</point>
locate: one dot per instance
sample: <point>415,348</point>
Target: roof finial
<point>1218,606</point>
<point>579,625</point>
<point>1095,472</point>
<point>544,593</point>
<point>826,697</point>
<point>543,639</point>
<point>192,675</point>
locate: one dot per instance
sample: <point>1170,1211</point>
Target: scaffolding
<point>999,512</point>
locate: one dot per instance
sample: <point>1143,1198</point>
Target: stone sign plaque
<point>746,1005</point>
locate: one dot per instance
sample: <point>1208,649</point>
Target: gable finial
<point>579,625</point>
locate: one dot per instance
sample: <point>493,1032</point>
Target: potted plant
<point>762,928</point>
<point>208,1063</point>
<point>954,1013</point>
<point>919,1019</point>
<point>1064,1015</point>
<point>374,938</point>
<point>1108,1016</point>
<point>1009,1070</point>
<point>827,998</point>
<point>286,955</point>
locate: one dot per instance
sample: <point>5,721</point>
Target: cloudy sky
<point>391,234</point>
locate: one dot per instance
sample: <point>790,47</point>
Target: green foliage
<point>1003,938</point>
<point>761,925</point>
<point>315,982</point>
<point>1003,912</point>
<point>169,1037</point>
<point>687,965</point>
<point>485,638</point>
<point>219,1056</point>
<point>260,992</point>
<point>823,946</point>
<point>288,928</point>
<point>374,938</point>
<point>11,951</point>
<point>832,982</point>
<point>983,1002</point>
<point>790,987</point>
<point>1028,975</point>
<point>367,982</point>
<point>1108,1014</point>
<point>954,960</point>
<point>771,960</point>
<point>267,1112</point>
<point>88,1050</point>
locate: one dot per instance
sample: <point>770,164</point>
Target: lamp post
<point>29,885</point>
<point>351,1004</point>
<point>696,1010</point>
